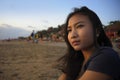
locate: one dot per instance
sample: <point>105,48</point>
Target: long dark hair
<point>72,61</point>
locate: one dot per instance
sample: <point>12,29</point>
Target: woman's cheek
<point>69,39</point>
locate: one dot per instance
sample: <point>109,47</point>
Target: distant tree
<point>50,29</point>
<point>59,27</point>
<point>44,33</point>
<point>22,38</point>
<point>110,23</point>
<point>113,22</point>
<point>55,30</point>
<point>40,35</point>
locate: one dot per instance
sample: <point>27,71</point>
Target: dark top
<point>104,60</point>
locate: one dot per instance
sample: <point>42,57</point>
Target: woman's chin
<point>77,48</point>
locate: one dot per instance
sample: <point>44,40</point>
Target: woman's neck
<point>87,53</point>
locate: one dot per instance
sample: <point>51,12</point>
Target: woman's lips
<point>74,43</point>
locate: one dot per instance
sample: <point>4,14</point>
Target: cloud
<point>5,26</point>
<point>45,21</point>
<point>31,27</point>
<point>9,31</point>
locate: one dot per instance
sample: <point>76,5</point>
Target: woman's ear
<point>97,33</point>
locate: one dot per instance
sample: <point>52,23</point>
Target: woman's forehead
<point>78,18</point>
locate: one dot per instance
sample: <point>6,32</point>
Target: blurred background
<point>18,18</point>
<point>31,34</point>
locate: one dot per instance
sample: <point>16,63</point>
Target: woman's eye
<point>79,26</point>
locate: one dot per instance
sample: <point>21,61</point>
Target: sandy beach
<point>28,61</point>
<point>22,60</point>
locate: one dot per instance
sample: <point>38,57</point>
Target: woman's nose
<point>74,34</point>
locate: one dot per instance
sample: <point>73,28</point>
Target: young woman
<point>90,55</point>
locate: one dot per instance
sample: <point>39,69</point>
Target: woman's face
<point>80,32</point>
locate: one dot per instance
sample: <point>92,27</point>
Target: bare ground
<point>21,60</point>
<point>28,61</point>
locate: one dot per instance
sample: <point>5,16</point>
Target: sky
<point>20,17</point>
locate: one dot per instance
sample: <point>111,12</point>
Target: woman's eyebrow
<point>76,23</point>
<point>79,23</point>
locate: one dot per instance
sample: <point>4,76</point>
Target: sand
<point>22,60</point>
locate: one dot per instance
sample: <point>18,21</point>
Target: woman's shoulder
<point>107,49</point>
<point>105,60</point>
<point>106,52</point>
<point>106,56</point>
